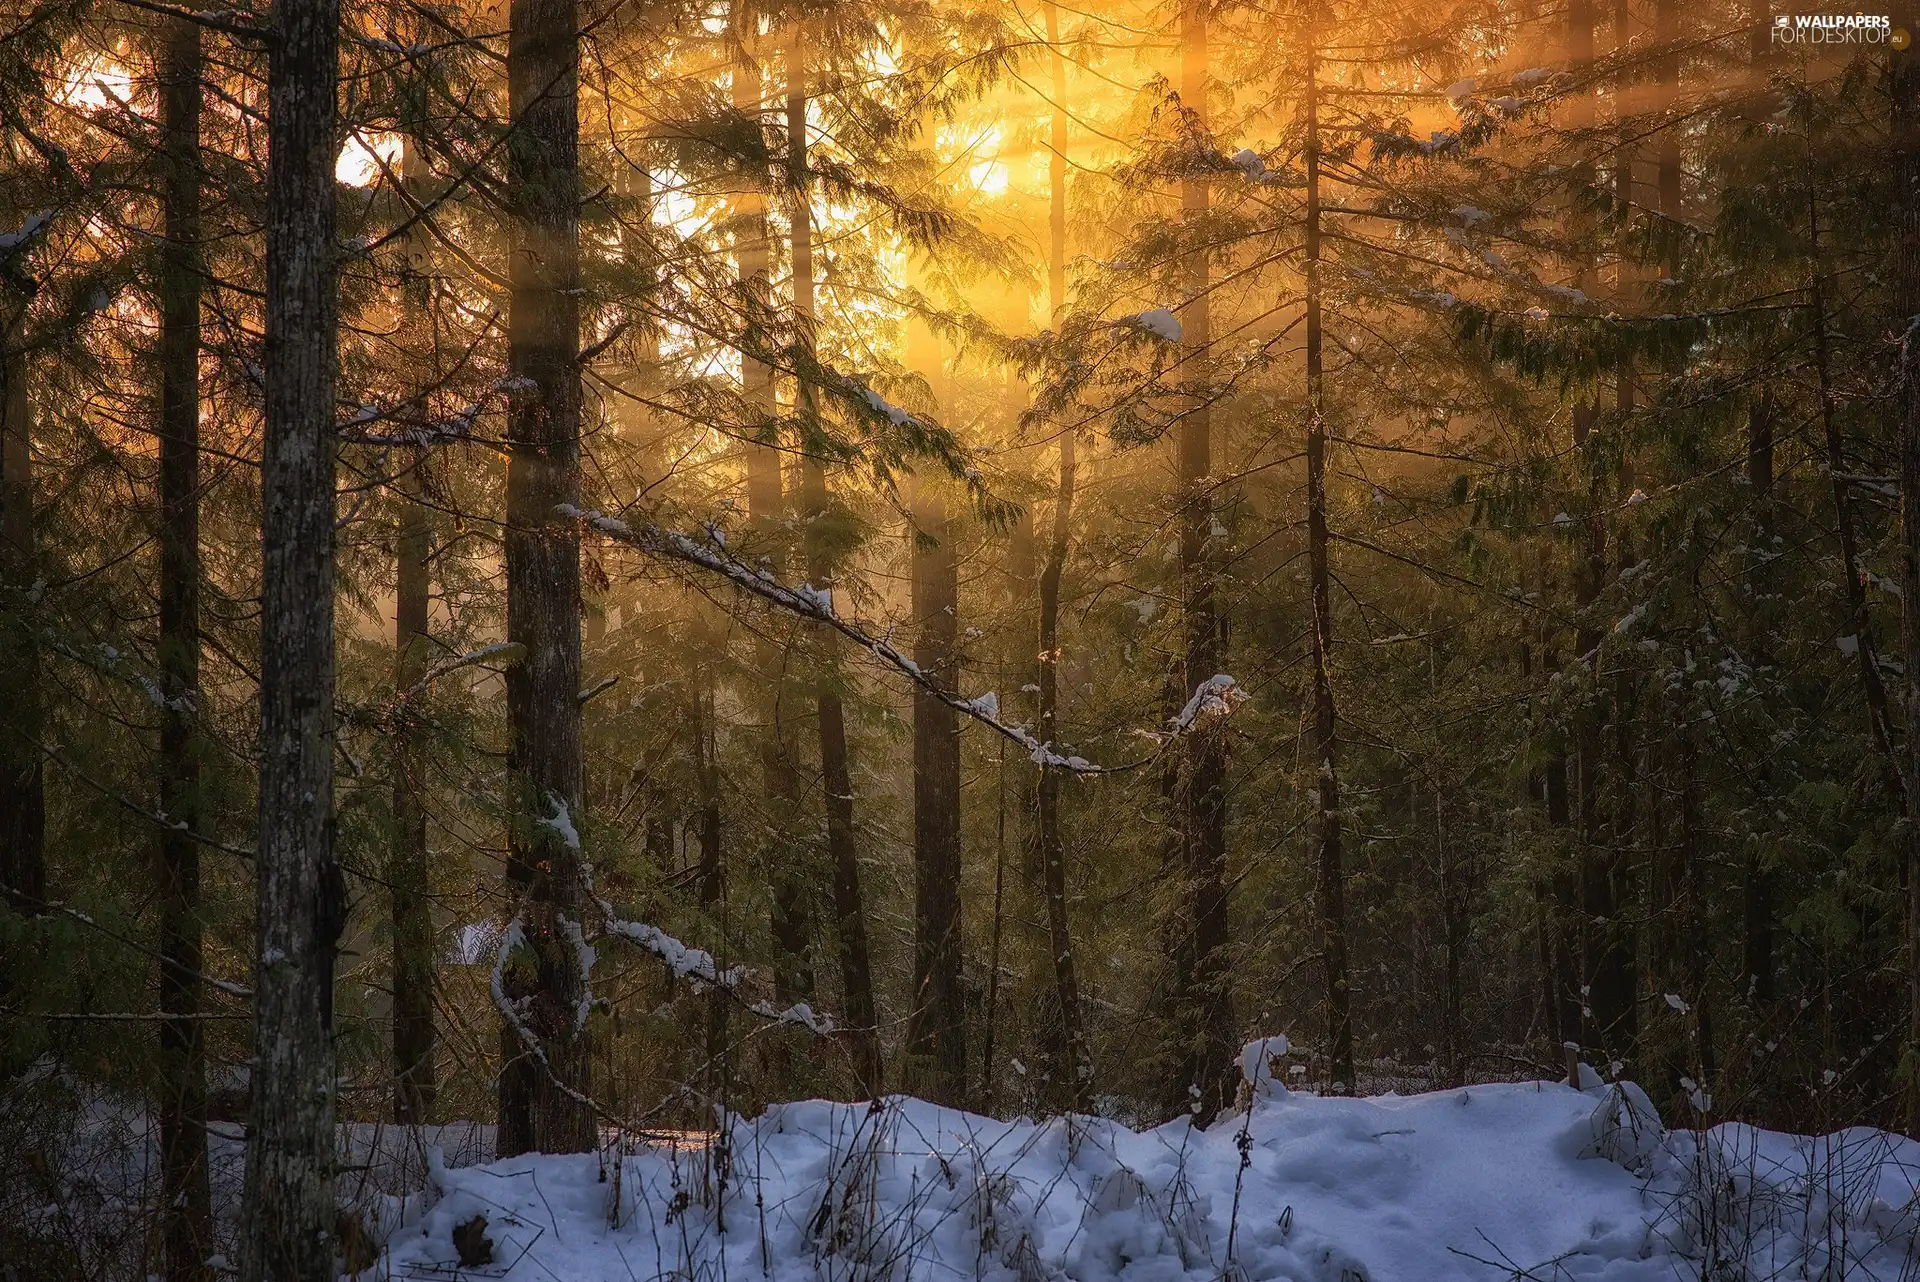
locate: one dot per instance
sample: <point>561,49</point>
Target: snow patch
<point>1213,699</point>
<point>12,240</point>
<point>1257,1063</point>
<point>561,822</point>
<point>1546,1180</point>
<point>880,405</point>
<point>1159,322</point>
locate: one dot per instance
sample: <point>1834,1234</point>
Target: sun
<point>364,155</point>
<point>96,83</point>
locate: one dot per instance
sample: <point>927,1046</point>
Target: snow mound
<point>1531,1179</point>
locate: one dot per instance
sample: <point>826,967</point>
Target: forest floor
<point>1531,1180</point>
<point>1535,1181</point>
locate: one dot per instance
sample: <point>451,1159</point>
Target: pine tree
<point>300,901</point>
<point>546,1083</point>
<point>183,1112</point>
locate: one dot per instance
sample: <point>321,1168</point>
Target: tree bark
<point>1545,902</point>
<point>1453,935</point>
<point>1625,274</point>
<point>301,896</point>
<point>1205,1005</point>
<point>23,804</point>
<point>1758,909</point>
<point>1015,803</point>
<point>1331,891</point>
<point>641,380</point>
<point>937,1028</point>
<point>791,923</point>
<point>1606,953</point>
<point>1667,175</point>
<point>1624,158</point>
<point>836,780</point>
<point>1070,1052</point>
<point>1614,864</point>
<point>411,902</point>
<point>1564,900</point>
<point>1879,722</point>
<point>540,1104</point>
<point>184,1183</point>
<point>1906,140</point>
<point>407,873</point>
<point>712,868</point>
<point>1694,951</point>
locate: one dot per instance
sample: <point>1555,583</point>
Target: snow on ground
<point>1529,1180</point>
<point>1501,1181</point>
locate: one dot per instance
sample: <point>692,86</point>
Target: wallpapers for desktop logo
<point>1838,29</point>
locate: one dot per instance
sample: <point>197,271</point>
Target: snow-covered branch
<point>806,601</point>
<point>1213,699</point>
<point>508,652</point>
<point>13,240</point>
<point>683,961</point>
<point>1212,702</point>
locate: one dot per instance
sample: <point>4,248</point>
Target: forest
<point>579,569</point>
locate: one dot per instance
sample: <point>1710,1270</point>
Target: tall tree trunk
<point>540,1104</point>
<point>1628,152</point>
<point>712,869</point>
<point>1206,1008</point>
<point>1546,916</point>
<point>1758,908</point>
<point>1680,919</point>
<point>1694,954</point>
<point>1015,804</point>
<point>407,875</point>
<point>766,505</point>
<point>1558,893</point>
<point>937,1027</point>
<point>836,779</point>
<point>635,420</point>
<point>1564,898</point>
<point>1617,861</point>
<point>1332,884</point>
<point>185,1189</point>
<point>1625,274</point>
<point>1667,177</point>
<point>1700,952</point>
<point>1906,139</point>
<point>712,866</point>
<point>632,411</point>
<point>1879,723</point>
<point>23,804</point>
<point>1070,1052</point>
<point>1453,937</point>
<point>1866,652</point>
<point>301,901</point>
<point>1606,954</point>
